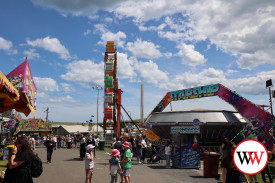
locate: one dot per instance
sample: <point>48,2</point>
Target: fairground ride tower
<point>112,95</point>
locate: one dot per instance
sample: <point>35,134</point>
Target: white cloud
<point>230,71</point>
<point>31,54</point>
<point>125,66</point>
<point>108,19</point>
<point>78,7</point>
<point>7,46</point>
<point>67,87</point>
<point>253,85</point>
<point>107,35</point>
<point>87,32</point>
<point>144,49</point>
<point>41,94</point>
<point>152,28</point>
<point>168,54</point>
<point>85,72</point>
<point>150,72</point>
<point>241,28</point>
<point>52,45</point>
<point>65,99</point>
<point>189,55</point>
<point>45,84</point>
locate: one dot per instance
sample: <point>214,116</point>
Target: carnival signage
<point>185,129</point>
<point>198,92</point>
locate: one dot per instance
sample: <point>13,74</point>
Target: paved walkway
<point>66,167</point>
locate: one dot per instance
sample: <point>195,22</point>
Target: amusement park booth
<point>211,126</point>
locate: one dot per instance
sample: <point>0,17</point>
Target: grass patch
<point>3,164</point>
<point>108,150</point>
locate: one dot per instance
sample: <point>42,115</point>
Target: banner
<point>185,129</point>
<point>191,154</point>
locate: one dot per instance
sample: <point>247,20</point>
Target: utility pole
<point>97,88</point>
<point>47,114</point>
<point>141,103</point>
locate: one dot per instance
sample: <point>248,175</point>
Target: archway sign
<point>260,121</point>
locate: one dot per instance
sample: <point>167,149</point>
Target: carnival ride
<point>112,94</point>
<point>260,122</point>
<point>17,90</point>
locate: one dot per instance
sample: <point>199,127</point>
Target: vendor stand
<point>186,151</point>
<point>17,91</point>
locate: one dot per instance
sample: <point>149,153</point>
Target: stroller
<point>154,155</point>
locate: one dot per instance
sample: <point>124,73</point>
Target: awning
<point>22,80</point>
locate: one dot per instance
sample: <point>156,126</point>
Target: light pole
<point>97,88</point>
<point>269,85</point>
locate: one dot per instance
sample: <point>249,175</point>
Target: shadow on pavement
<point>196,176</point>
<point>74,159</point>
<point>104,164</point>
<point>158,167</point>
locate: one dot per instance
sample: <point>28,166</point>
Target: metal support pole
<point>270,100</point>
<point>97,112</point>
<point>131,119</point>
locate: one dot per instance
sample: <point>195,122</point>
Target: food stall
<point>185,143</point>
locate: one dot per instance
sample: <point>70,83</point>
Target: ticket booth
<point>185,143</point>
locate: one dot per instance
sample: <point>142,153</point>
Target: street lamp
<point>269,85</point>
<point>97,88</point>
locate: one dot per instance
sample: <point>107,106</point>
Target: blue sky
<point>169,45</point>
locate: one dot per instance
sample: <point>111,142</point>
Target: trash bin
<point>101,145</point>
<point>211,164</point>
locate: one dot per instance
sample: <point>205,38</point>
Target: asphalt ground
<point>67,167</point>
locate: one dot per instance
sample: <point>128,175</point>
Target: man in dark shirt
<point>50,144</point>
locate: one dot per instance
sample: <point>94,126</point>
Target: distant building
<point>73,129</point>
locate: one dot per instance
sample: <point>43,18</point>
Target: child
<point>89,163</point>
<point>126,163</point>
<point>114,165</point>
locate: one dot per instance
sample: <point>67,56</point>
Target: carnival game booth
<point>35,127</point>
<point>213,125</point>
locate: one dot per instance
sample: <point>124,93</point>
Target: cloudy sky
<point>170,45</point>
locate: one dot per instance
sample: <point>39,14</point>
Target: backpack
<point>36,166</point>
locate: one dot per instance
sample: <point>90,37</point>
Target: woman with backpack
<point>18,170</point>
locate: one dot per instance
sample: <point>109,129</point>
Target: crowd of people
<point>121,159</point>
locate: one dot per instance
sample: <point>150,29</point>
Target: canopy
<point>34,125</point>
<point>9,95</point>
<point>21,79</point>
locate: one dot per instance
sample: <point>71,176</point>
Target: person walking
<point>89,163</point>
<point>82,146</point>
<point>230,173</point>
<point>114,166</point>
<point>139,150</point>
<point>113,143</point>
<point>144,148</point>
<point>20,159</point>
<point>168,154</point>
<point>50,144</point>
<point>69,142</point>
<point>58,141</point>
<point>55,141</point>
<point>126,163</point>
<point>33,143</point>
<point>97,140</point>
